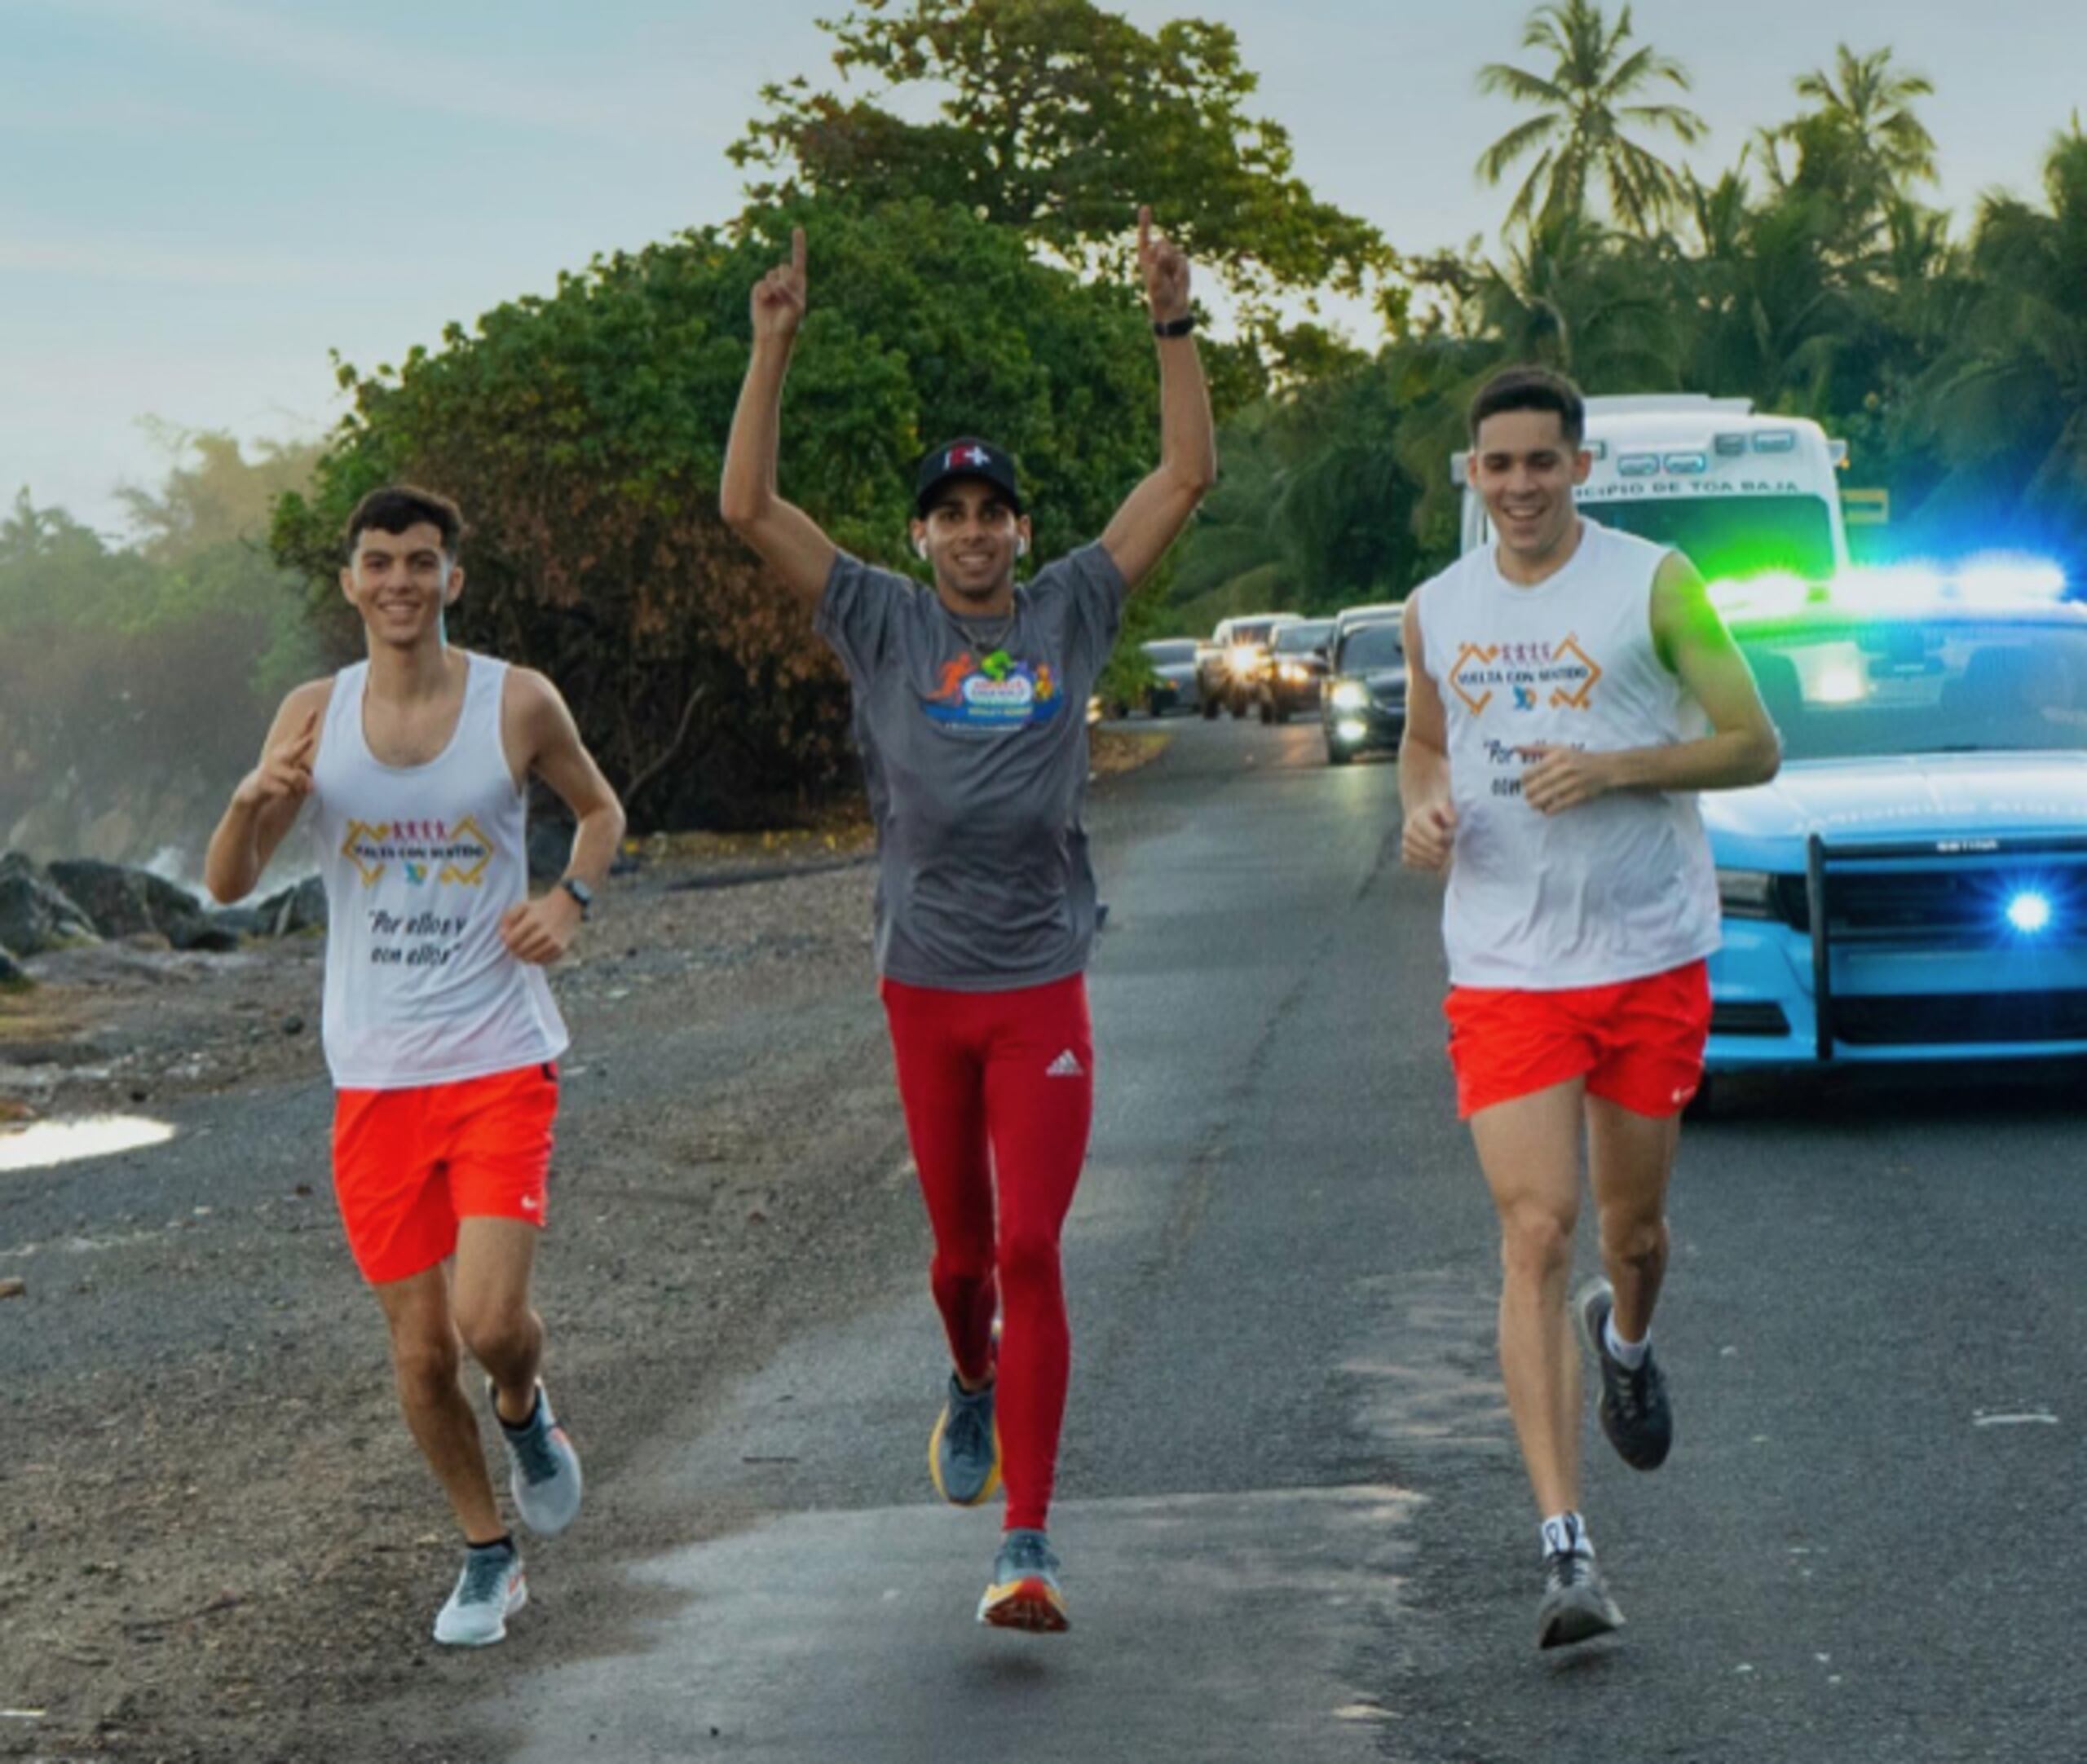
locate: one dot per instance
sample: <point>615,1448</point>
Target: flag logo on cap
<point>967,455</point>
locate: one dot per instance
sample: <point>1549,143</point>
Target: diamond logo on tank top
<point>444,853</point>
<point>994,692</point>
<point>1562,675</point>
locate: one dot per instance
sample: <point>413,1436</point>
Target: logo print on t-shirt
<point>1562,674</point>
<point>451,854</point>
<point>994,692</point>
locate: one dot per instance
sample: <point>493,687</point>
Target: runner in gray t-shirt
<point>970,701</point>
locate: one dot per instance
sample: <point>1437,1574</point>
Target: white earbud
<point>920,545</point>
<point>1022,548</point>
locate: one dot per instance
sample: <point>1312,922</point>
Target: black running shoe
<point>1635,1412</point>
<point>1576,1606</point>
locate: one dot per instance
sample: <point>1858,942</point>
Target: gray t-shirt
<point>973,735</point>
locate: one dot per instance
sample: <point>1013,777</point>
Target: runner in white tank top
<point>1571,689</point>
<point>440,1029</point>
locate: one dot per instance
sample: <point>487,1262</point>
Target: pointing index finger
<point>1144,230</point>
<point>797,252</point>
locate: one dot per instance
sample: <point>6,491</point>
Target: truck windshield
<point>1732,535</point>
<point>1902,685</point>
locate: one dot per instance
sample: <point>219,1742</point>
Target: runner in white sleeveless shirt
<point>440,1030</point>
<point>1572,688</point>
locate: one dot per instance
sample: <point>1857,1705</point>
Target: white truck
<point>1739,494</point>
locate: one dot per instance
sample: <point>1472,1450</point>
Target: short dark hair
<point>395,507</point>
<point>1527,388</point>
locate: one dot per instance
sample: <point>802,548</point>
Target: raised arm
<point>788,540</point>
<point>264,806</point>
<point>1153,516</point>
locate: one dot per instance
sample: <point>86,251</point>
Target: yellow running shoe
<point>963,1451</point>
<point>1025,1593</point>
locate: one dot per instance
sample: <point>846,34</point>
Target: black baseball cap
<point>966,457</point>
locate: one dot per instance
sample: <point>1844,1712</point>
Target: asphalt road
<point>1293,1525</point>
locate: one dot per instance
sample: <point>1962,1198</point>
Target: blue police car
<point>1913,886</point>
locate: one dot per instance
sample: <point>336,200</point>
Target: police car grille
<point>1961,1017</point>
<point>1927,906</point>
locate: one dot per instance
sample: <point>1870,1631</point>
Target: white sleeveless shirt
<point>1614,889</point>
<point>420,861</point>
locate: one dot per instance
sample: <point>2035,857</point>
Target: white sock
<point>1566,1534</point>
<point>1628,1354</point>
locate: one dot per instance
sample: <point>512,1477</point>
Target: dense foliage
<point>583,433</point>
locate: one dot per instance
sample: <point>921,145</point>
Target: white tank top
<point>419,862</point>
<point>1616,889</point>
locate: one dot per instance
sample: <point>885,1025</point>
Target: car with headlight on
<point>1364,705</point>
<point>1230,678</point>
<point>1296,667</point>
<point>1912,885</point>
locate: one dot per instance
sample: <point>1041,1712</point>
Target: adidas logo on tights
<point>1066,1065</point>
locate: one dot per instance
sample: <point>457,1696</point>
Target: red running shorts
<point>408,1164</point>
<point>1638,1043</point>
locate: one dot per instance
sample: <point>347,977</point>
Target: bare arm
<point>545,733</point>
<point>265,805</point>
<point>1153,514</point>
<point>1430,834</point>
<point>790,542</point>
<point>1742,749</point>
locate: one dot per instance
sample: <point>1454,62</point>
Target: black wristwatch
<point>581,892</point>
<point>1180,326</point>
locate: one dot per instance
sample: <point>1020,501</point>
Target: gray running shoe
<point>1025,1593</point>
<point>1635,1415</point>
<point>546,1481</point>
<point>963,1451</point>
<point>489,1591</point>
<point>1576,1606</point>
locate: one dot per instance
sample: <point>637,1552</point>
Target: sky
<point>201,201</point>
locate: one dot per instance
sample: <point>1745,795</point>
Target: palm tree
<point>1581,299</point>
<point>1873,103</point>
<point>1578,135</point>
<point>2007,407</point>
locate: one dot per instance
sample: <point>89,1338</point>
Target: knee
<point>1536,1241</point>
<point>496,1332</point>
<point>1029,1259</point>
<point>1634,1239</point>
<point>960,1270</point>
<point>425,1362</point>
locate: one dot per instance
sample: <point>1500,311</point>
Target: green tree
<point>582,432</point>
<point>216,493</point>
<point>1581,133</point>
<point>135,679</point>
<point>1869,103</point>
<point>1057,118</point>
<point>2004,410</point>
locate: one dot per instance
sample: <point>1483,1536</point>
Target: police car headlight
<point>1746,893</point>
<point>1351,695</point>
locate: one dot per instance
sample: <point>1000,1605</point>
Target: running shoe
<point>489,1591</point>
<point>1025,1593</point>
<point>1635,1414</point>
<point>963,1451</point>
<point>545,1481</point>
<point>1576,1606</point>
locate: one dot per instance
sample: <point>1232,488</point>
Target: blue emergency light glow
<point>2029,912</point>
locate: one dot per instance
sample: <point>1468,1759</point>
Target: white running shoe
<point>489,1591</point>
<point>546,1481</point>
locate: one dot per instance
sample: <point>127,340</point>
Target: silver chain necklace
<point>997,640</point>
